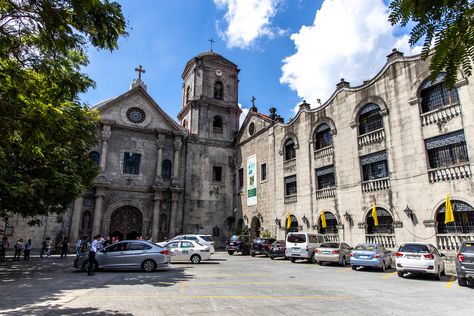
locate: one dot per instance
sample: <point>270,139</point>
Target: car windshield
<point>365,247</point>
<point>414,248</point>
<point>297,238</point>
<point>329,245</point>
<point>206,238</point>
<point>234,238</point>
<point>468,247</point>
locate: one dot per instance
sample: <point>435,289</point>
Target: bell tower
<point>210,97</point>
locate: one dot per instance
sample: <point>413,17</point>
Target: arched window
<point>217,124</point>
<point>188,93</point>
<point>463,219</point>
<point>434,94</point>
<point>290,151</point>
<point>385,220</point>
<point>218,90</point>
<point>166,169</point>
<point>331,224</point>
<point>185,123</point>
<point>370,119</point>
<point>95,157</point>
<point>322,136</point>
<point>293,224</point>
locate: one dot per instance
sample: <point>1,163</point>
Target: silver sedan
<point>127,254</point>
<point>337,252</point>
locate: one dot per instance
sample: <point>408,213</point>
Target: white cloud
<point>248,20</point>
<point>349,39</point>
<point>243,115</point>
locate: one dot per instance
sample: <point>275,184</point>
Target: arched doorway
<point>331,224</point>
<point>383,233</point>
<point>126,222</point>
<point>293,224</point>
<point>450,236</point>
<point>255,227</point>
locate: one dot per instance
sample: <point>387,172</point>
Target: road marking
<point>451,282</point>
<point>241,283</point>
<point>230,297</point>
<point>389,275</point>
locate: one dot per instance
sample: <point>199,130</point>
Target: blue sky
<point>287,50</point>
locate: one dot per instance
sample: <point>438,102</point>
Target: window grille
<point>331,224</point>
<point>374,166</point>
<point>435,94</point>
<point>290,185</point>
<point>326,177</point>
<point>290,151</point>
<point>370,119</point>
<point>131,163</point>
<point>323,136</point>
<point>447,150</point>
<point>95,157</point>
<point>463,219</point>
<point>385,222</point>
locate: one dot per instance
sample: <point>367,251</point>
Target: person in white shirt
<point>93,249</point>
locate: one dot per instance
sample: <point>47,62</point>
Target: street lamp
<point>278,222</point>
<point>348,217</point>
<point>305,220</point>
<point>409,212</point>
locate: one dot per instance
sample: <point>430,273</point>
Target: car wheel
<point>148,265</point>
<point>343,262</point>
<point>230,252</point>
<point>400,274</point>
<point>320,263</point>
<point>354,268</point>
<point>272,257</point>
<point>383,266</point>
<point>245,251</point>
<point>253,254</point>
<point>462,281</point>
<point>293,260</point>
<point>85,266</point>
<point>443,273</point>
<point>195,259</point>
<point>437,276</point>
<point>311,259</point>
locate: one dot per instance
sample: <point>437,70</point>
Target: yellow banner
<point>449,215</point>
<point>323,220</point>
<point>374,215</point>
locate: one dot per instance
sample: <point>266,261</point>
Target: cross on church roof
<point>253,100</point>
<point>253,107</point>
<point>211,41</point>
<point>140,70</point>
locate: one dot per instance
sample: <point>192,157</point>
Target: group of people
<point>19,247</point>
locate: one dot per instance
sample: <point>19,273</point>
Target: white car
<point>188,250</point>
<point>419,257</point>
<point>195,238</point>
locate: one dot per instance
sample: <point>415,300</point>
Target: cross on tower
<point>211,41</point>
<point>253,100</point>
<point>140,70</point>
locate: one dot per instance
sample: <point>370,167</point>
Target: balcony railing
<point>372,137</point>
<point>452,241</point>
<point>331,237</point>
<point>326,193</point>
<point>386,240</point>
<point>324,152</point>
<point>450,173</point>
<point>441,115</point>
<point>291,198</point>
<point>376,185</point>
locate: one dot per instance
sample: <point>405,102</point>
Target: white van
<point>302,245</point>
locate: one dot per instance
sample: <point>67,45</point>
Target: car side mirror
<point>443,255</point>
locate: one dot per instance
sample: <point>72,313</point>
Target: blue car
<point>370,255</point>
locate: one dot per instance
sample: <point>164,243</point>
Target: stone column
<point>76,218</point>
<point>160,143</point>
<point>99,207</point>
<point>156,212</point>
<point>176,157</point>
<point>106,133</point>
<point>174,216</point>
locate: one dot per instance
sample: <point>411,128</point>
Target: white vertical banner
<point>252,180</point>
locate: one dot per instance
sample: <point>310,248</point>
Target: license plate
<point>413,257</point>
<point>326,251</point>
<point>231,244</point>
<point>295,249</point>
<point>364,257</point>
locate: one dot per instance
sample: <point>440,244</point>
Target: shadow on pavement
<point>56,311</point>
<point>40,281</point>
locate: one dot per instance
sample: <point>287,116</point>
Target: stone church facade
<point>398,141</point>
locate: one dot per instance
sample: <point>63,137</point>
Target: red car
<point>261,246</point>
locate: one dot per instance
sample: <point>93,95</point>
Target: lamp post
<point>278,222</point>
<point>409,213</point>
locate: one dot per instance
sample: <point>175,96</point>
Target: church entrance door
<point>255,227</point>
<point>126,221</point>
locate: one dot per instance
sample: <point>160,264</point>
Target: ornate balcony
<point>331,237</point>
<point>291,198</point>
<point>386,240</point>
<point>450,173</point>
<point>324,152</point>
<point>441,115</point>
<point>376,185</point>
<point>373,137</point>
<point>326,193</point>
<point>452,241</point>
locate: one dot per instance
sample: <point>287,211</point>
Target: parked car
<point>277,249</point>
<point>302,245</point>
<point>238,243</point>
<point>261,246</point>
<point>465,263</point>
<point>127,254</point>
<point>419,257</point>
<point>370,255</point>
<point>188,250</point>
<point>192,237</point>
<point>338,252</point>
<point>207,238</point>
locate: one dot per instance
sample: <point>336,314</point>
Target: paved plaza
<point>226,285</point>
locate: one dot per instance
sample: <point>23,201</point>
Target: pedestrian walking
<point>92,251</point>
<point>4,247</point>
<point>64,247</point>
<point>26,253</point>
<point>18,249</point>
<point>78,246</point>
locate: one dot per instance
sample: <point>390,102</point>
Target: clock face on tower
<point>218,72</point>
